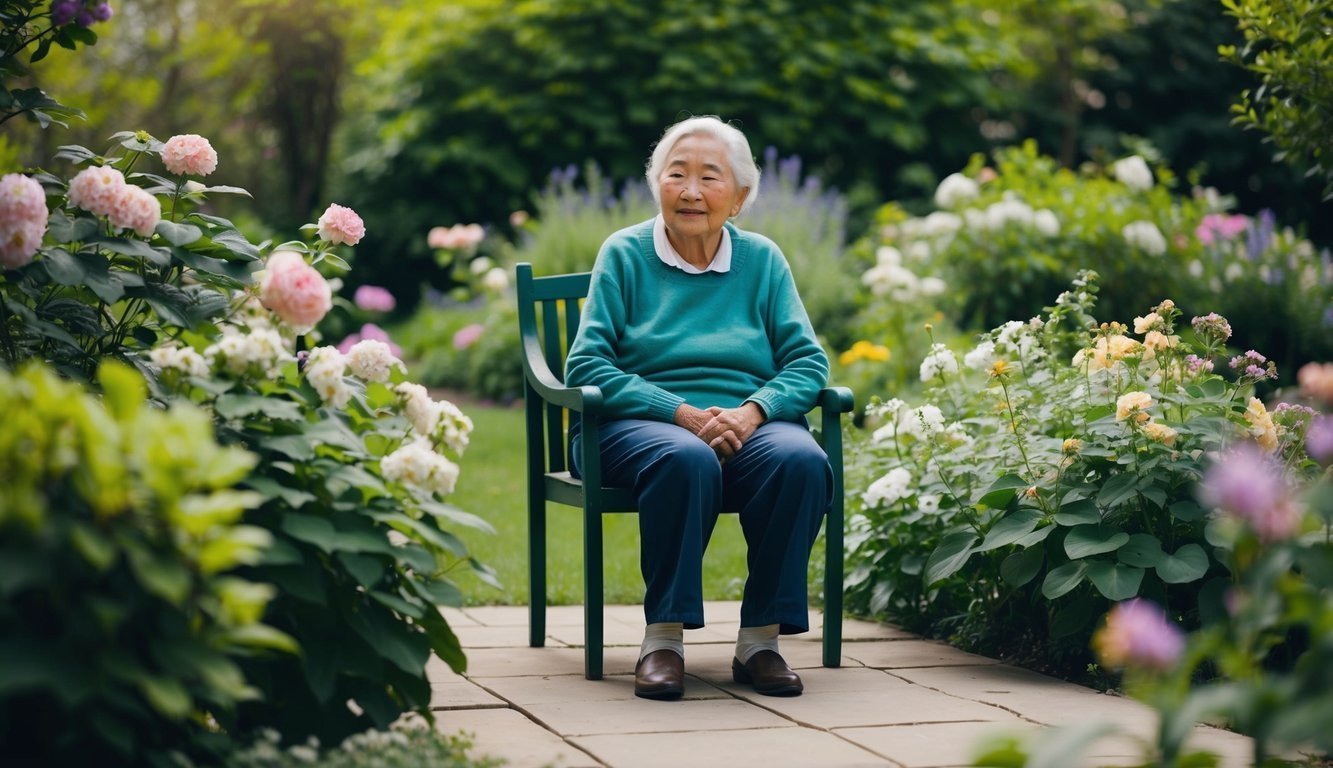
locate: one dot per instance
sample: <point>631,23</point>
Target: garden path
<point>897,700</point>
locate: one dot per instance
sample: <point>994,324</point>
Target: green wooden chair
<point>548,317</point>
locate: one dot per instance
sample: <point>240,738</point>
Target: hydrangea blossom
<point>439,421</point>
<point>325,369</point>
<point>372,360</point>
<point>416,464</point>
<point>184,359</point>
<point>1133,172</point>
<point>955,189</point>
<point>255,350</point>
<point>340,224</point>
<point>95,189</point>
<point>189,154</point>
<point>23,216</point>
<point>894,486</point>
<point>456,237</point>
<point>295,290</point>
<point>135,208</point>
<point>1145,236</point>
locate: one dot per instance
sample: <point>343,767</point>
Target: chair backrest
<point>548,319</point>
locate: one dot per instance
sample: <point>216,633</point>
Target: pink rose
<point>468,335</point>
<point>373,298</point>
<point>189,155</point>
<point>295,290</point>
<point>340,224</point>
<point>96,189</point>
<point>457,236</point>
<point>135,208</point>
<point>23,217</point>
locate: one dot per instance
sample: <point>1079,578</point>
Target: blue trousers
<point>781,485</point>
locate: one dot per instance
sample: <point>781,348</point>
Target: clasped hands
<point>725,430</point>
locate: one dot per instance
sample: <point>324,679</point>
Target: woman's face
<point>698,189</point>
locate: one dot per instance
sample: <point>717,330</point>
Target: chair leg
<point>833,592</point>
<point>592,598</point>
<point>537,572</point>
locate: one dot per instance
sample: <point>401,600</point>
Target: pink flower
<point>372,332</point>
<point>295,290</point>
<point>96,189</point>
<point>1319,440</point>
<point>457,236</point>
<point>340,224</point>
<point>373,298</point>
<point>468,335</point>
<point>1248,485</point>
<point>135,208</point>
<point>1216,225</point>
<point>23,215</point>
<point>1316,380</point>
<point>189,155</point>
<point>1137,634</point>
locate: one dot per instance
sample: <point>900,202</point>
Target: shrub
<point>1024,503</point>
<point>406,745</point>
<point>123,617</point>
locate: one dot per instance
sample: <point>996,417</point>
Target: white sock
<point>751,640</point>
<point>664,634</point>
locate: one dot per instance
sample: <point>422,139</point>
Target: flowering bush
<point>1005,238</point>
<point>123,614</point>
<point>1053,473</point>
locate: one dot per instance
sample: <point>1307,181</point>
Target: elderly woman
<point>707,362</point>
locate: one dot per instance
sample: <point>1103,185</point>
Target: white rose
<point>1133,172</point>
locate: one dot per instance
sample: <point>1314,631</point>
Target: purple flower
<point>86,18</point>
<point>468,335</point>
<point>63,12</point>
<point>1246,484</point>
<point>1138,634</point>
<point>102,12</point>
<point>1212,326</point>
<point>372,298</point>
<point>1198,364</point>
<point>1319,440</point>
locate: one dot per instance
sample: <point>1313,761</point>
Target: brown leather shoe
<point>660,675</point>
<point>768,673</point>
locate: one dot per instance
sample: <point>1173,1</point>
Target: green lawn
<point>492,485</point>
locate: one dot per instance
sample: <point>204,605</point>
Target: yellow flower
<point>1107,351</point>
<point>1156,340</point>
<point>1147,323</point>
<point>1262,427</point>
<point>1071,446</point>
<point>1160,433</point>
<point>864,350</point>
<point>999,368</point>
<point>1135,404</point>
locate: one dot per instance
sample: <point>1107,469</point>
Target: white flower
<point>981,356</point>
<point>1011,209</point>
<point>939,362</point>
<point>371,360</point>
<point>257,348</point>
<point>495,279</point>
<point>933,286</point>
<point>1133,172</point>
<point>441,422</point>
<point>956,188</point>
<point>892,280</point>
<point>1195,268</point>
<point>919,250</point>
<point>414,463</point>
<point>930,419</point>
<point>941,224</point>
<point>1145,236</point>
<point>1147,323</point>
<point>1046,222</point>
<point>183,359</point>
<point>928,503</point>
<point>889,489</point>
<point>887,255</point>
<point>480,265</point>
<point>324,370</point>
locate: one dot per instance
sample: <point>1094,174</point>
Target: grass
<point>493,485</point>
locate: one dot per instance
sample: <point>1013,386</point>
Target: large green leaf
<point>1189,563</point>
<point>444,642</point>
<point>1143,550</point>
<point>1002,491</point>
<point>126,246</point>
<point>1116,581</point>
<point>1059,581</point>
<point>1020,567</point>
<point>1078,512</point>
<point>236,406</point>
<point>394,640</point>
<point>1010,528</point>
<point>1073,617</point>
<point>1119,489</point>
<point>1086,540</point>
<point>949,557</point>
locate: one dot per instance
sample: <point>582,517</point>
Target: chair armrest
<point>550,389</point>
<point>836,400</point>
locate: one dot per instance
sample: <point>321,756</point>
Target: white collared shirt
<point>721,262</point>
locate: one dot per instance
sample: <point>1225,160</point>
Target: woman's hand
<point>728,428</point>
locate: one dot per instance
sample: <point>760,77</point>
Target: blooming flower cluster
<point>1254,366</point>
<point>340,224</point>
<point>81,12</point>
<point>1137,634</point>
<point>889,277</point>
<point>940,362</point>
<point>864,350</point>
<point>255,350</point>
<point>438,421</point>
<point>296,291</point>
<point>373,298</point>
<point>894,486</point>
<point>1133,172</point>
<point>1145,236</point>
<point>415,463</point>
<point>189,154</point>
<point>186,360</point>
<point>23,215</point>
<point>1248,484</point>
<point>457,237</point>
<point>326,368</point>
<point>372,360</point>
<point>370,332</point>
<point>1220,226</point>
<point>103,191</point>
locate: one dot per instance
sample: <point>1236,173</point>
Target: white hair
<point>742,163</point>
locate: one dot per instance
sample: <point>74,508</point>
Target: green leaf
<point>1143,550</point>
<point>160,575</point>
<point>126,246</point>
<point>444,642</point>
<point>178,234</point>
<point>124,390</point>
<point>97,549</point>
<point>1116,581</point>
<point>1085,540</point>
<point>1189,563</point>
<point>295,447</point>
<point>1010,528</point>
<point>1022,566</point>
<point>1187,511</point>
<point>167,695</point>
<point>1078,512</point>
<point>1072,618</point>
<point>365,569</point>
<point>1119,489</point>
<point>236,406</point>
<point>1059,581</point>
<point>315,531</point>
<point>263,636</point>
<point>393,640</point>
<point>949,557</point>
<point>1002,491</point>
<point>293,497</point>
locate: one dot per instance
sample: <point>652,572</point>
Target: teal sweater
<point>652,336</point>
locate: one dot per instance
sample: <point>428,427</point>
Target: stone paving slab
<point>896,700</point>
